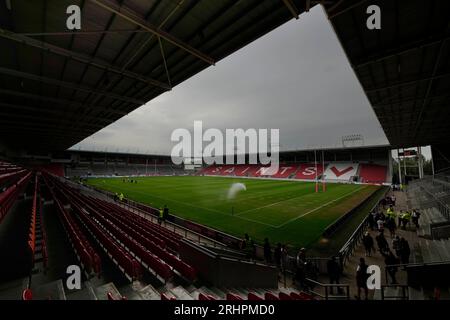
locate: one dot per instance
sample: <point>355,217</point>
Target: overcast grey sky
<point>296,79</point>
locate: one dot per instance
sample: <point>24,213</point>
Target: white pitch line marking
<point>313,210</point>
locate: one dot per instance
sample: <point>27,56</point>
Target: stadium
<point>80,224</point>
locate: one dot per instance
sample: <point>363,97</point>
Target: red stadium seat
<point>253,297</point>
<point>371,173</point>
<point>231,296</point>
<point>270,296</point>
<point>27,294</point>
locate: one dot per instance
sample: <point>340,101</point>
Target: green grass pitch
<point>284,211</point>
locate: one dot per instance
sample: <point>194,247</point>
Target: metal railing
<point>327,290</point>
<point>404,267</point>
<point>442,207</point>
<point>349,247</point>
<point>404,292</point>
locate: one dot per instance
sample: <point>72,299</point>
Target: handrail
<point>405,291</point>
<point>412,265</point>
<point>347,249</point>
<point>130,205</point>
<point>443,208</point>
<point>328,286</point>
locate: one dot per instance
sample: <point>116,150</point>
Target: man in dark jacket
<point>267,251</point>
<point>334,272</point>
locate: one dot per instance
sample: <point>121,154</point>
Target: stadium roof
<point>403,68</point>
<point>59,86</point>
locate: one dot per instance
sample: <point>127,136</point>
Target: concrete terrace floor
<point>349,272</point>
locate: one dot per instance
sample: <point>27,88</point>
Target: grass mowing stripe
<point>313,210</point>
<point>268,208</point>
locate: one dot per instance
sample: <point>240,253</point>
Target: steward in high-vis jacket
<point>161,215</point>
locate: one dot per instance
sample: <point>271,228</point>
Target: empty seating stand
<point>9,196</point>
<point>371,173</point>
<point>152,245</point>
<point>88,257</point>
<point>334,171</point>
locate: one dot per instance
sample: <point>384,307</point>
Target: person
<point>161,216</point>
<point>121,197</point>
<point>284,257</point>
<point>301,256</point>
<point>252,250</point>
<point>393,199</point>
<point>116,197</point>
<point>277,255</point>
<point>166,212</point>
<point>334,272</point>
<point>380,224</point>
<point>361,278</point>
<point>371,221</point>
<point>415,218</point>
<point>267,251</point>
<point>400,218</point>
<point>368,244</point>
<point>396,245</point>
<point>382,243</point>
<point>405,251</point>
<point>243,243</point>
<point>405,219</point>
<point>300,274</point>
<point>390,262</point>
<point>389,211</point>
<point>390,224</point>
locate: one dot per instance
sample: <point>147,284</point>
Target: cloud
<point>296,78</point>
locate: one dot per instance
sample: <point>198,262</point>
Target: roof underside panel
<point>57,86</point>
<point>404,67</point>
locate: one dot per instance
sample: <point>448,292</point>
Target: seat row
<point>11,176</point>
<point>140,239</point>
<point>126,263</point>
<point>251,296</point>
<point>170,238</point>
<point>32,230</point>
<point>125,222</point>
<point>9,196</point>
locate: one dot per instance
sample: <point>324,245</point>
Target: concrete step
<point>181,293</point>
<point>416,294</point>
<point>149,293</point>
<point>102,291</point>
<point>218,292</point>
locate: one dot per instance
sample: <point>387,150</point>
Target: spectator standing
<point>396,245</point>
<point>393,199</point>
<point>390,262</point>
<point>284,257</point>
<point>368,244</point>
<point>371,221</point>
<point>405,251</point>
<point>405,219</point>
<point>415,218</point>
<point>267,251</point>
<point>380,224</point>
<point>334,272</point>
<point>400,218</point>
<point>361,278</point>
<point>160,216</point>
<point>165,212</point>
<point>390,224</point>
<point>382,243</point>
<point>277,255</point>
